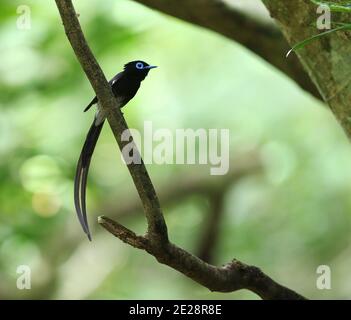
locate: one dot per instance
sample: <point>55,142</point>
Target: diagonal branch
<point>231,277</point>
<point>157,229</point>
<point>262,38</point>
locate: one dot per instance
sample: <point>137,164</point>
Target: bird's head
<point>138,68</point>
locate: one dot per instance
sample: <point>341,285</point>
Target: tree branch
<point>231,277</point>
<point>262,38</point>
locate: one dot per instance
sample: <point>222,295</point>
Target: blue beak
<point>150,67</point>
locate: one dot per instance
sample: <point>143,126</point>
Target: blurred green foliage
<point>288,220</point>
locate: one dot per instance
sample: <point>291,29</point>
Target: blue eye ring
<point>139,65</point>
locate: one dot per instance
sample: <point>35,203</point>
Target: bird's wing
<point>111,83</point>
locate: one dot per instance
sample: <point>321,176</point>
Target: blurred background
<point>284,206</point>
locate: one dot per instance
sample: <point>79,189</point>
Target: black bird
<point>124,86</point>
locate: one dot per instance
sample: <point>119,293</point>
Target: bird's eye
<point>139,65</point>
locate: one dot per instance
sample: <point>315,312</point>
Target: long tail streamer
<point>80,180</point>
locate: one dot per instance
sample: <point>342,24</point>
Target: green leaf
<point>344,26</point>
<point>335,7</point>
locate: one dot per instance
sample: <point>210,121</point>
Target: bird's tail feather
<point>80,180</point>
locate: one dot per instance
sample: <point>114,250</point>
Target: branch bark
<point>233,276</point>
<point>262,38</point>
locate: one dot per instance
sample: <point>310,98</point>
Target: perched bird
<point>124,86</point>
